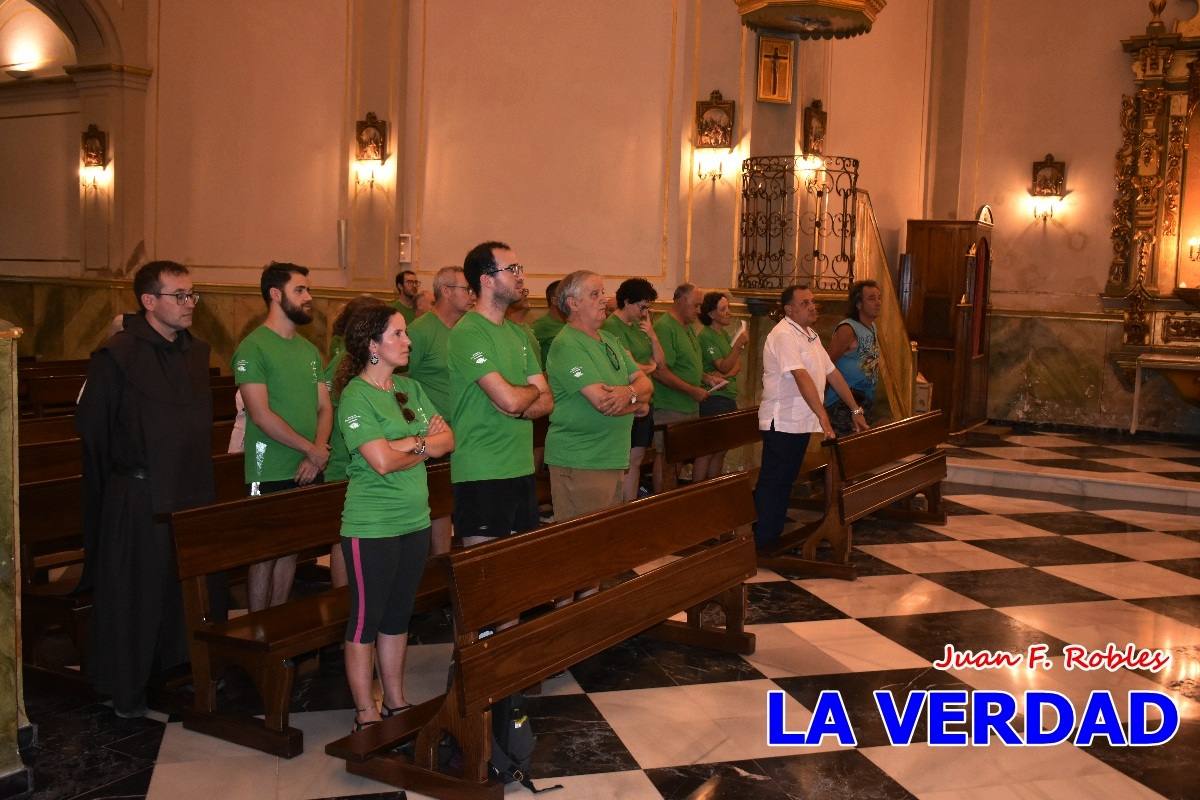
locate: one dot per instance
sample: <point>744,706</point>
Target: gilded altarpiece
<point>1155,269</point>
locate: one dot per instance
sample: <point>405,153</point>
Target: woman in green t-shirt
<point>390,428</point>
<point>720,354</point>
<point>335,469</point>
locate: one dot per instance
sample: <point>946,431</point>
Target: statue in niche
<point>815,119</point>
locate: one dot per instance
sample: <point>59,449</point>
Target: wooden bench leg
<point>807,540</point>
<point>275,686</point>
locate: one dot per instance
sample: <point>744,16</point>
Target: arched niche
<point>89,27</point>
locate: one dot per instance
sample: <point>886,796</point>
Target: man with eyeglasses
<point>408,286</point>
<point>145,420</point>
<point>289,417</point>
<point>430,336</point>
<point>598,389</point>
<point>496,390</point>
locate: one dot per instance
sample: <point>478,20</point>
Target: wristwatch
<point>857,412</point>
<point>633,398</point>
<point>419,450</point>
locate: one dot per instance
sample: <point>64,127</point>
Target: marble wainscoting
<point>1055,369</point>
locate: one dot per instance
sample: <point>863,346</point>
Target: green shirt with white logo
<point>427,359</point>
<point>580,437</point>
<point>631,337</point>
<point>545,328</point>
<point>489,444</point>
<point>716,345</point>
<point>378,506</point>
<point>291,370</point>
<point>681,353</point>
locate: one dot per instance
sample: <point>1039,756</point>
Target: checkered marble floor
<point>1098,464</point>
<point>652,720</point>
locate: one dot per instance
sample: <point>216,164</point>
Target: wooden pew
<point>707,523</point>
<point>868,472</point>
<point>264,643</point>
<point>52,536</point>
<point>688,440</point>
<point>42,393</point>
<point>63,458</point>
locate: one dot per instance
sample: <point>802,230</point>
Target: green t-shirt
<point>427,359</point>
<point>408,312</point>
<point>534,343</point>
<point>545,328</point>
<point>488,444</point>
<point>339,456</point>
<point>337,346</point>
<point>378,506</point>
<point>291,370</point>
<point>715,345</point>
<point>631,337</point>
<point>580,437</point>
<point>681,352</point>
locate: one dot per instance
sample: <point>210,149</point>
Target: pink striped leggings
<point>384,574</point>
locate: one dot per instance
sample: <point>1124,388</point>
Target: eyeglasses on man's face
<point>181,297</point>
<point>515,269</point>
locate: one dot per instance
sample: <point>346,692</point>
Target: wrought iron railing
<point>798,222</point>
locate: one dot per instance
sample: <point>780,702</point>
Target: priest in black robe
<point>145,418</point>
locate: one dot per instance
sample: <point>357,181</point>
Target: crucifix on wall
<point>775,57</point>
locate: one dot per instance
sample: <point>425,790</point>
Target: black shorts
<point>495,508</point>
<point>717,404</point>
<point>643,431</point>
<point>384,575</point>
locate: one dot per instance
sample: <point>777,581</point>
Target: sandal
<point>362,726</point>
<point>386,711</point>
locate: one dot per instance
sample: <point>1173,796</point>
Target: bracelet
<point>419,450</point>
<point>857,412</point>
<point>633,398</point>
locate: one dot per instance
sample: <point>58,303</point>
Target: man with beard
<point>288,413</point>
<point>145,419</point>
<point>408,286</point>
<point>496,388</point>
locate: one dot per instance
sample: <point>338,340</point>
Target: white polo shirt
<point>790,347</point>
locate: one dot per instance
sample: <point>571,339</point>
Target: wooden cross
<point>775,57</point>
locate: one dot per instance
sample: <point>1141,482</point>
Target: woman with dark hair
<point>339,456</point>
<point>720,354</point>
<point>390,428</point>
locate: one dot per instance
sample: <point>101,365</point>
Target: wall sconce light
<point>1194,249</point>
<point>93,158</point>
<point>710,163</point>
<point>811,169</point>
<point>1049,187</point>
<point>371,141</point>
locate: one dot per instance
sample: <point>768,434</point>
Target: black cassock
<point>145,418</point>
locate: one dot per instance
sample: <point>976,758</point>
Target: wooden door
<point>972,346</point>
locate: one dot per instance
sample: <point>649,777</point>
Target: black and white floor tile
<point>651,720</point>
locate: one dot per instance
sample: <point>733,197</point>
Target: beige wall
<point>1043,77</point>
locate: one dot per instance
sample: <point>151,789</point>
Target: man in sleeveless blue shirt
<point>854,350</point>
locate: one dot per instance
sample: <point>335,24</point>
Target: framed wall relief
<point>775,57</point>
<point>714,121</point>
<point>815,120</point>
<point>1049,177</point>
<point>371,135</point>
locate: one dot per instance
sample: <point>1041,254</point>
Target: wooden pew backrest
<point>568,555</point>
<point>861,453</point>
<point>698,437</point>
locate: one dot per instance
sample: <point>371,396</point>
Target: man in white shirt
<point>795,370</point>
